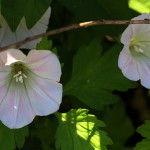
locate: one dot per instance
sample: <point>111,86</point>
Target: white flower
<point>134,59</point>
<point>8,37</point>
<point>29,86</point>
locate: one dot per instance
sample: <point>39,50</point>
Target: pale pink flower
<point>134,59</point>
<point>29,86</point>
<point>22,32</point>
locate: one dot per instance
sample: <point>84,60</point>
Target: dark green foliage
<point>120,127</point>
<point>32,10</point>
<point>13,11</point>
<point>96,76</point>
<point>12,138</point>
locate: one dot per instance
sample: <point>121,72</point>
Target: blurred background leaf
<point>14,10</point>
<point>119,125</point>
<point>42,134</point>
<point>34,11</point>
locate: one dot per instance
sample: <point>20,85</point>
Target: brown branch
<point>72,27</point>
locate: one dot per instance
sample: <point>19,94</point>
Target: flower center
<point>19,76</point>
<point>18,72</point>
<point>137,46</point>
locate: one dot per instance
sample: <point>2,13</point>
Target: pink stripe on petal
<point>26,113</point>
<point>144,71</point>
<point>15,110</point>
<point>4,87</point>
<point>128,65</point>
<point>45,64</point>
<point>45,95</point>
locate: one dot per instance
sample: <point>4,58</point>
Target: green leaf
<point>144,130</point>
<point>12,138</point>
<point>96,76</point>
<point>141,6</point>
<point>13,11</point>
<point>78,130</point>
<point>144,145</point>
<point>34,10</point>
<point>46,44</point>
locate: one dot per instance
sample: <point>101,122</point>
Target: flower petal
<point>127,36</point>
<point>45,95</point>
<point>142,17</point>
<point>10,56</point>
<point>138,31</point>
<point>15,109</point>
<point>144,71</point>
<point>45,64</point>
<point>128,65</point>
<point>22,32</point>
<point>6,35</point>
<point>4,84</point>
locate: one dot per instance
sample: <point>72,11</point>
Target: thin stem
<point>72,27</point>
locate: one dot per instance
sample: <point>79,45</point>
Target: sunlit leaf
<point>96,76</point>
<point>78,130</point>
<point>141,6</point>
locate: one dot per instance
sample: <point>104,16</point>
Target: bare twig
<point>72,27</point>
